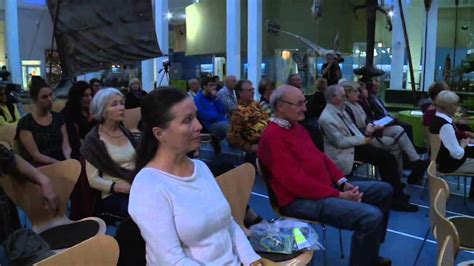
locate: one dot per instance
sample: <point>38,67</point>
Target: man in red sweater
<point>308,185</point>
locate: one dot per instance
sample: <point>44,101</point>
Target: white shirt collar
<point>444,116</point>
<point>281,122</point>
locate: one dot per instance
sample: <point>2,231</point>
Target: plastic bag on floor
<point>284,236</point>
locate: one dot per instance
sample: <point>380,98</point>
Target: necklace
<point>110,135</point>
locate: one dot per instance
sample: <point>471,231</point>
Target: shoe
<point>405,196</point>
<point>381,261</point>
<point>418,169</point>
<point>403,206</point>
<point>254,222</point>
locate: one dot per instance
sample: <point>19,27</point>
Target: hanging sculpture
<point>316,9</point>
<point>368,70</point>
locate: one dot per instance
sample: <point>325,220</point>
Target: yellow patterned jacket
<point>246,125</point>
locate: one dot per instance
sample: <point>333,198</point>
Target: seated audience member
<point>14,165</point>
<point>308,185</point>
<point>294,80</point>
<point>193,87</point>
<point>134,95</point>
<point>179,224</point>
<point>318,101</point>
<point>227,94</point>
<point>378,109</point>
<point>433,91</point>
<point>9,114</point>
<point>391,138</point>
<point>266,88</point>
<point>211,111</point>
<point>247,122</point>
<point>462,129</point>
<point>109,151</point>
<point>344,143</point>
<point>453,155</point>
<point>43,133</point>
<point>331,70</point>
<point>96,85</point>
<point>77,115</point>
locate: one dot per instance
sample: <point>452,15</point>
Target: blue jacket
<point>209,110</point>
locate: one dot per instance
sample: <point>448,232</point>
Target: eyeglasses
<point>298,104</point>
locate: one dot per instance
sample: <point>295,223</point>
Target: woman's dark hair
<point>94,80</point>
<point>9,104</point>
<point>36,84</point>
<point>436,88</point>
<point>156,107</point>
<point>73,104</point>
<point>264,84</point>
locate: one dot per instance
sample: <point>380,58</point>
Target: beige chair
<point>28,107</point>
<point>435,144</point>
<point>464,224</point>
<point>58,231</point>
<point>444,227</point>
<point>7,134</point>
<point>58,105</point>
<point>236,185</point>
<point>446,255</point>
<point>131,118</point>
<point>276,210</point>
<point>99,250</point>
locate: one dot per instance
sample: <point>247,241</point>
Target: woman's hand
<point>257,263</point>
<point>122,187</point>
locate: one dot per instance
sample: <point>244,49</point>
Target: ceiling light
<point>390,13</point>
<point>169,15</point>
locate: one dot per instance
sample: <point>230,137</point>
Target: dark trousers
<point>116,204</point>
<point>368,219</point>
<point>384,161</point>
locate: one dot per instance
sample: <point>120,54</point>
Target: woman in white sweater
<point>175,201</point>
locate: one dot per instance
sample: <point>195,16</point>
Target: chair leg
<point>325,256</point>
<point>421,247</point>
<point>457,177</point>
<point>341,246</point>
<point>465,189</point>
<point>424,188</point>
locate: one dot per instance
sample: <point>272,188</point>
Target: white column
<point>233,37</point>
<point>147,75</point>
<point>431,35</point>
<point>12,40</point>
<point>162,32</point>
<point>254,42</point>
<point>398,50</point>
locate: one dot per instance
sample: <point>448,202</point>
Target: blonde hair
<point>446,99</point>
<point>350,86</point>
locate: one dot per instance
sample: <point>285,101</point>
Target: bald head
<point>289,103</point>
<point>230,81</point>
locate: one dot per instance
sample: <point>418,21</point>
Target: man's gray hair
<point>446,99</point>
<point>278,94</point>
<point>99,103</point>
<point>331,92</point>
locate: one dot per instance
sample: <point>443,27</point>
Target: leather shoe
<point>381,261</point>
<point>403,205</point>
<point>418,168</point>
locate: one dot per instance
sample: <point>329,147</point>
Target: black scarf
<point>94,150</point>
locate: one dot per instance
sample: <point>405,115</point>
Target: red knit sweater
<point>297,168</point>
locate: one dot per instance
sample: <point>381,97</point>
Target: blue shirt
<point>210,111</point>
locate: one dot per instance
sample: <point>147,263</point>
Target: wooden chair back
<point>99,250</point>
<point>28,107</point>
<point>444,227</point>
<point>7,134</point>
<point>58,105</point>
<point>27,196</point>
<point>236,185</point>
<point>131,118</point>
<point>435,184</point>
<point>435,144</point>
<point>271,195</point>
<point>446,254</point>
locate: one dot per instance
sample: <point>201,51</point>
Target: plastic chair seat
<point>68,235</point>
<point>465,227</point>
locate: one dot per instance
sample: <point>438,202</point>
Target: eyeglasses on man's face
<point>297,104</point>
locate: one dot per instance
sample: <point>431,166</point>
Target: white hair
<point>445,99</point>
<point>278,94</point>
<point>99,103</point>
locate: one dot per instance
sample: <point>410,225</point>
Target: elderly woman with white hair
<point>453,155</point>
<point>109,152</point>
<point>133,98</point>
